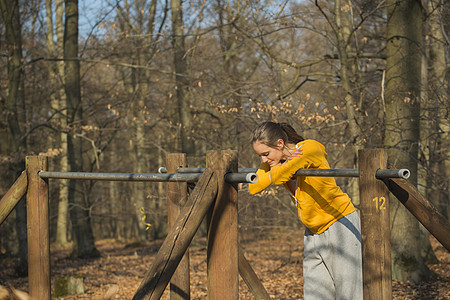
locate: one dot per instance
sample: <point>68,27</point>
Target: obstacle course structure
<point>215,198</point>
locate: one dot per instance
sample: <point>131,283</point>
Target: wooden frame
<point>13,196</point>
<point>375,226</point>
<point>180,288</point>
<point>38,229</point>
<point>225,258</point>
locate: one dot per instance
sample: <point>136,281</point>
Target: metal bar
<point>154,177</point>
<point>380,173</point>
<point>393,173</point>
<point>241,177</point>
<point>122,176</point>
<point>200,170</point>
<point>328,172</point>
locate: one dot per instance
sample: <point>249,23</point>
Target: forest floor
<point>277,260</point>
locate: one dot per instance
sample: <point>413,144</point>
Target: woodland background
<point>113,86</point>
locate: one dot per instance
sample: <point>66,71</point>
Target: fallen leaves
<point>277,261</point>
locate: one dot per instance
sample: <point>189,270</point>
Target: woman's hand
<point>298,151</point>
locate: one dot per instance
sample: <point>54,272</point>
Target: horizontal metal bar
<point>393,173</point>
<point>152,177</point>
<point>381,173</point>
<point>201,170</point>
<point>156,177</point>
<point>241,177</point>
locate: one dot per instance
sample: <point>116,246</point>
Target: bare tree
<point>343,29</point>
<point>437,143</point>
<point>137,26</point>
<point>181,77</point>
<point>11,101</point>
<point>79,213</point>
<point>403,85</point>
<point>57,99</point>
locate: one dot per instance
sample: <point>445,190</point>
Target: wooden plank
<point>222,244</point>
<point>13,196</point>
<point>38,229</point>
<point>177,197</point>
<point>251,279</point>
<point>421,208</point>
<point>179,238</point>
<point>375,226</point>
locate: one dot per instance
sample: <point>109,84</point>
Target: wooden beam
<point>177,197</point>
<point>375,226</point>
<point>222,244</point>
<point>13,196</point>
<point>179,238</point>
<point>38,229</point>
<point>421,208</point>
<point>251,279</point>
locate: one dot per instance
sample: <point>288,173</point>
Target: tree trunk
<point>181,82</point>
<point>138,152</point>
<point>62,230</point>
<point>347,71</point>
<point>438,145</point>
<point>230,62</point>
<point>403,85</point>
<point>15,95</point>
<point>137,86</point>
<point>54,50</point>
<point>158,204</point>
<point>79,213</point>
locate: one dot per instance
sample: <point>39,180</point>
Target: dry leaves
<point>276,260</point>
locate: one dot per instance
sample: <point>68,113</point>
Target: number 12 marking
<point>380,203</point>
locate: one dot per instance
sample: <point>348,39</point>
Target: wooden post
<point>375,226</point>
<point>177,197</point>
<point>13,196</point>
<point>38,229</point>
<point>222,251</point>
<point>179,238</point>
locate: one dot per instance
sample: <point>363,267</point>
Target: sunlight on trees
<point>157,77</point>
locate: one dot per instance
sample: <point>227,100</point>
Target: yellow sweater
<point>320,202</point>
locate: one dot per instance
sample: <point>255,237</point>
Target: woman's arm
<point>310,155</point>
<point>311,158</point>
<point>263,179</point>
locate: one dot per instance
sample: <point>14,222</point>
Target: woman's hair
<point>269,133</point>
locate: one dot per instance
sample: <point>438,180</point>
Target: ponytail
<point>292,136</point>
<point>269,133</point>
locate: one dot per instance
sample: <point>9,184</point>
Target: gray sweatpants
<point>332,261</point>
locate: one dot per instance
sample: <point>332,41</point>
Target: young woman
<point>332,264</point>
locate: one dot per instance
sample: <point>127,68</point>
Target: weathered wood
<point>13,196</point>
<point>38,229</point>
<point>222,251</point>
<point>421,208</point>
<point>251,279</point>
<point>179,238</point>
<point>177,197</point>
<point>375,226</point>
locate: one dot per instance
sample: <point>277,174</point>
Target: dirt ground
<point>276,260</point>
